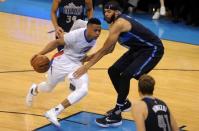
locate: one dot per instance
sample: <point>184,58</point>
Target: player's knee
<point>45,87</point>
<point>126,76</point>
<point>78,94</point>
<point>48,90</point>
<point>112,71</point>
<point>84,90</point>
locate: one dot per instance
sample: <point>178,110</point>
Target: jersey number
<point>71,18</point>
<point>163,122</point>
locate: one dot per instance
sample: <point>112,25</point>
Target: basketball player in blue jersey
<point>68,12</point>
<point>145,50</point>
<point>150,113</point>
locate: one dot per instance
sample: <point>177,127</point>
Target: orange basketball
<point>40,63</point>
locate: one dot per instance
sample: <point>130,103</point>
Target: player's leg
<point>54,76</point>
<point>114,118</point>
<point>142,64</point>
<point>115,72</point>
<point>81,85</point>
<point>81,90</point>
<point>118,67</point>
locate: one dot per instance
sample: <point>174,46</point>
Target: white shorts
<point>61,68</point>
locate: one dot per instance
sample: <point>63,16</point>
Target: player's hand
<point>33,57</point>
<point>59,32</point>
<point>80,71</point>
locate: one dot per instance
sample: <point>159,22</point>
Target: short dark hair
<point>94,21</point>
<point>146,84</point>
<point>113,5</point>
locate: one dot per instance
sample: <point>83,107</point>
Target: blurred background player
<point>76,44</point>
<point>150,113</point>
<point>65,12</point>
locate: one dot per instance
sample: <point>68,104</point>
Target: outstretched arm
<point>51,46</point>
<point>107,48</point>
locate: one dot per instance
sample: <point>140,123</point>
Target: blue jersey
<point>139,36</point>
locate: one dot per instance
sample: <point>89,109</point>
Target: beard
<point>109,21</point>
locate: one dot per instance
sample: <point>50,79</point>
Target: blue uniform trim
<point>126,37</point>
<point>145,42</point>
<point>86,37</point>
<point>141,68</point>
<point>150,58</point>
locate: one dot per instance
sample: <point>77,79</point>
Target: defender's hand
<point>80,71</point>
<point>59,32</point>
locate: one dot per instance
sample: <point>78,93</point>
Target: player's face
<point>109,15</point>
<point>94,31</point>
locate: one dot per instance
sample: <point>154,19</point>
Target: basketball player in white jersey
<point>76,44</point>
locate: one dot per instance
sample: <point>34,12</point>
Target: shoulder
<point>139,107</point>
<point>122,24</point>
<point>75,34</point>
<point>139,103</point>
<point>139,110</point>
<point>77,31</point>
<point>79,24</point>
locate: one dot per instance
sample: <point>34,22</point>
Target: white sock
<point>58,109</point>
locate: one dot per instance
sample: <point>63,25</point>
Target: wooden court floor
<point>177,78</point>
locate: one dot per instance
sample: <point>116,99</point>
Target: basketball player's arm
<point>107,48</point>
<point>87,58</point>
<point>51,46</point>
<point>89,8</point>
<point>174,125</point>
<point>138,115</point>
<point>58,30</point>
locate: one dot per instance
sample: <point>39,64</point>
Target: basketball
<point>40,63</point>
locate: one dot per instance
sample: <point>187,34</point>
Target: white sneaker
<point>30,95</point>
<point>162,11</point>
<point>156,15</point>
<point>52,117</point>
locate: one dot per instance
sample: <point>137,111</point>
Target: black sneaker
<point>111,120</point>
<point>125,108</point>
<point>72,87</point>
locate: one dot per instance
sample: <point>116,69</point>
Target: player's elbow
<point>110,51</point>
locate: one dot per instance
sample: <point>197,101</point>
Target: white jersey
<point>77,45</point>
<point>79,24</point>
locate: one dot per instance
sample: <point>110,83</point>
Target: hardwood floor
<point>176,76</point>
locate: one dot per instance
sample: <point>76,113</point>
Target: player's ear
<point>117,12</point>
